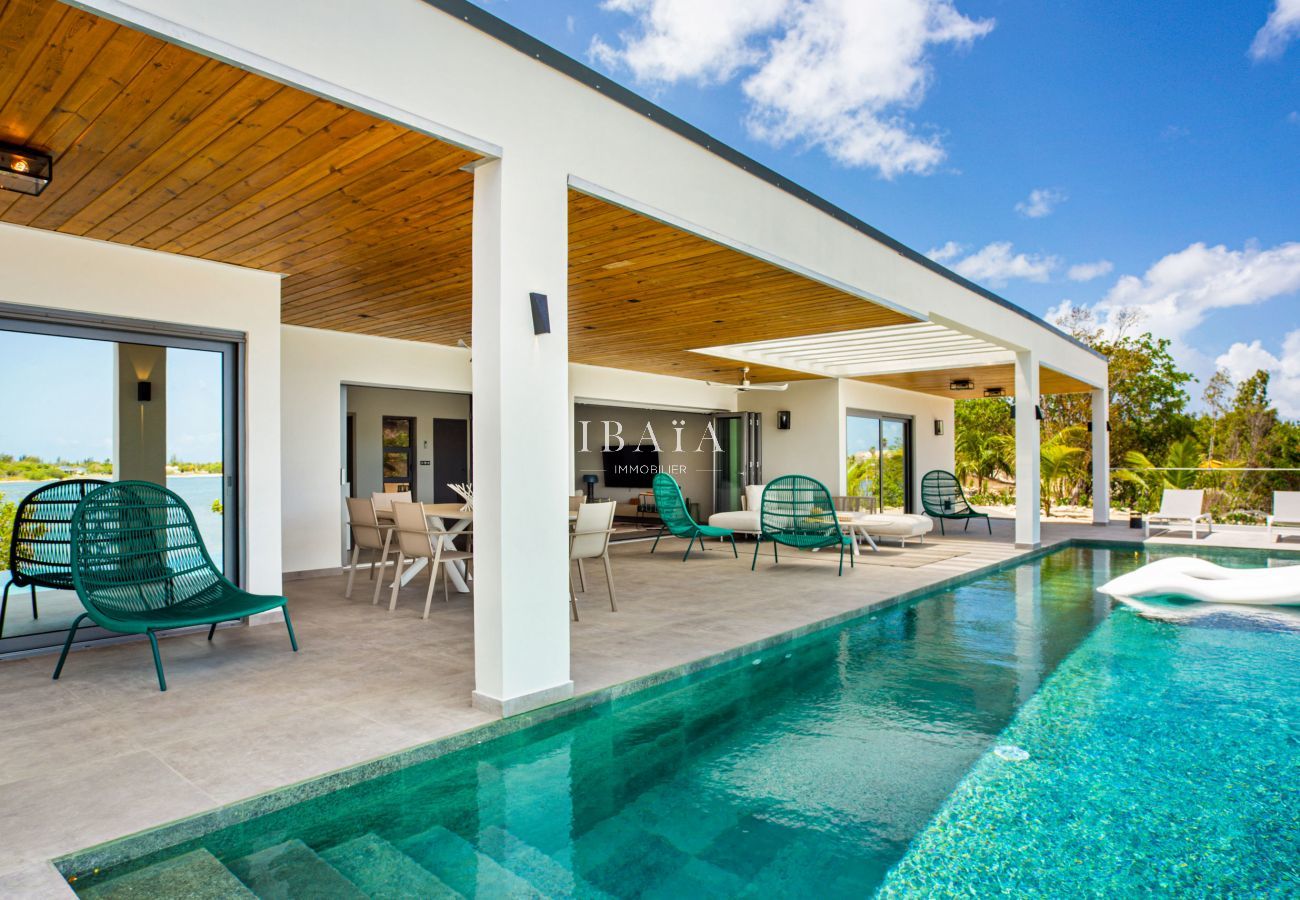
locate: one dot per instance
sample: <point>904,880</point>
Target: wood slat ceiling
<point>159,147</point>
<point>641,293</point>
<point>1003,376</point>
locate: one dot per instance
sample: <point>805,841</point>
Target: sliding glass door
<point>879,460</point>
<point>740,461</point>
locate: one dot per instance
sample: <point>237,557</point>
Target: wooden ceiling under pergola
<point>160,147</point>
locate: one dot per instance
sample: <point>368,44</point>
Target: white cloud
<point>1280,29</point>
<point>1041,202</point>
<point>837,74</point>
<point>1244,360</point>
<point>997,263</point>
<point>948,251</point>
<point>1089,271</point>
<point>1180,290</point>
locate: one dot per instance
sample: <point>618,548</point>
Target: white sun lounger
<point>1180,507</point>
<point>1286,511</point>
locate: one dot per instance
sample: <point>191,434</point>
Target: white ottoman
<point>741,521</point>
<point>894,525</point>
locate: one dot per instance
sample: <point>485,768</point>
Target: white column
<point>140,426</point>
<point>1100,457</point>
<point>1028,484</point>
<point>521,439</point>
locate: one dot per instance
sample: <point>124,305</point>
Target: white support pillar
<point>1028,483</point>
<point>521,437</point>
<point>1100,457</point>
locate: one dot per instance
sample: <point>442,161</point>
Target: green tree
<point>7,512</point>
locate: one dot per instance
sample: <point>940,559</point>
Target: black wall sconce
<point>541,314</point>
<point>144,391</point>
<point>938,427</point>
<point>783,419</point>
<point>25,171</point>
<point>1038,412</point>
<point>1090,426</point>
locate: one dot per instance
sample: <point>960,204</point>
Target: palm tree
<point>1059,465</point>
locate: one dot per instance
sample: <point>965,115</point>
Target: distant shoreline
<point>169,475</point>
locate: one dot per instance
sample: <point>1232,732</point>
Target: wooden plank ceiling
<point>159,147</point>
<point>1003,376</point>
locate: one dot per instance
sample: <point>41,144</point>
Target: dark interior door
<point>450,458</point>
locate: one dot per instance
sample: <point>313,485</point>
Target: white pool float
<point>1198,579</point>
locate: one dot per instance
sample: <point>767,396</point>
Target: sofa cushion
<point>754,496</point>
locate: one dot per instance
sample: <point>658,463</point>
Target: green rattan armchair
<point>40,547</point>
<point>677,519</point>
<point>798,511</point>
<point>139,566</point>
<point>942,498</point>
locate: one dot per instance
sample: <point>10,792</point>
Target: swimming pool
<point>1160,756</point>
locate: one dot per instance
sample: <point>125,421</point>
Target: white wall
<point>812,444</point>
<point>61,272</point>
<point>316,364</point>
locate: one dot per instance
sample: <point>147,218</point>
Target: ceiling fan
<point>745,384</point>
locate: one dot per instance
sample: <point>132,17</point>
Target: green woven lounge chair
<point>677,519</point>
<point>140,567</point>
<point>798,511</point>
<point>41,544</point>
<point>942,498</point>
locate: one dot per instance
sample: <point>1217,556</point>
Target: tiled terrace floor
<point>101,753</point>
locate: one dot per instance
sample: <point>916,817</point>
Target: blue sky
<point>1154,133</point>
<point>66,410</point>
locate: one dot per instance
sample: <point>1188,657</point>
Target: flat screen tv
<point>629,467</point>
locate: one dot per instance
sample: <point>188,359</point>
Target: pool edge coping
<point>156,838</point>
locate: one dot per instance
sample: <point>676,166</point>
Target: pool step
<point>385,873</point>
<point>198,875</point>
<point>535,866</point>
<point>459,864</point>
<point>293,871</point>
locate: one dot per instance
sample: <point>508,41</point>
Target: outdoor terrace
<point>102,753</point>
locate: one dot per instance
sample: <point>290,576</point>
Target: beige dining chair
<point>384,501</point>
<point>576,501</point>
<point>590,540</point>
<point>415,539</point>
<point>367,534</point>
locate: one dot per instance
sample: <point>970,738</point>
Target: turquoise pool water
<point>1160,757</point>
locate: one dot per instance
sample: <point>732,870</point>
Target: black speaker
<point>541,314</point>
<point>783,419</point>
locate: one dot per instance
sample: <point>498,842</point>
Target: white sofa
<point>900,526</point>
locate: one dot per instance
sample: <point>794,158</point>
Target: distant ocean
<point>196,490</point>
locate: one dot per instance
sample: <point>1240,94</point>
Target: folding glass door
<point>740,461</point>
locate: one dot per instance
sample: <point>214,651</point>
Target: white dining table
<point>438,515</point>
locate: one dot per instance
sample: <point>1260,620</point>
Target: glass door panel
<point>399,454</point>
<point>878,463</point>
<point>864,458</point>
<point>893,465</point>
<point>741,461</point>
